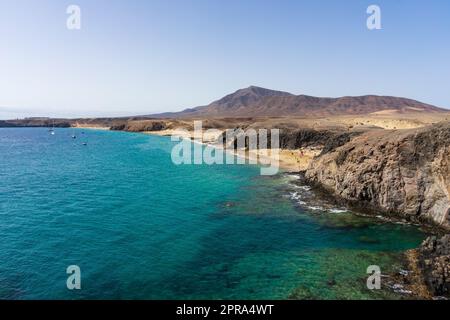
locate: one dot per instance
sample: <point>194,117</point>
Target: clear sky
<point>146,56</point>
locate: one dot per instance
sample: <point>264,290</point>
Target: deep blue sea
<point>140,227</point>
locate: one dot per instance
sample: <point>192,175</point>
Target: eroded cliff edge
<point>405,173</point>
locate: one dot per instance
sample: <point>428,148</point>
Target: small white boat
<point>52,129</point>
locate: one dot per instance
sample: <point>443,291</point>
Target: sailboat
<point>52,129</point>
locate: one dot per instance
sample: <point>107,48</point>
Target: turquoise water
<point>140,227</point>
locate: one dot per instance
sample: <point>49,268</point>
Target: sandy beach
<point>289,160</point>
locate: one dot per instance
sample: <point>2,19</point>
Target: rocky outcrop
<point>327,140</point>
<point>434,261</point>
<point>403,172</point>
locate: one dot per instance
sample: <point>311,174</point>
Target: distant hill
<point>260,102</point>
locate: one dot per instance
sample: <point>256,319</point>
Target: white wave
<point>338,210</point>
<point>296,186</point>
<point>296,196</point>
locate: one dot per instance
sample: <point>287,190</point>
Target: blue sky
<point>144,56</point>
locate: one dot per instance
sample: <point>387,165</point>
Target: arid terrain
<point>390,155</point>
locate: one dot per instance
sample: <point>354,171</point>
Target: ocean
<point>140,227</point>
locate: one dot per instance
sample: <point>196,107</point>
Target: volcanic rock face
<point>327,139</point>
<point>260,102</point>
<point>302,138</point>
<point>434,259</point>
<point>395,172</point>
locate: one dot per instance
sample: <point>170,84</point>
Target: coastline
<point>91,127</point>
<point>408,281</point>
<point>413,281</point>
<point>289,160</point>
<point>412,266</point>
<point>291,163</point>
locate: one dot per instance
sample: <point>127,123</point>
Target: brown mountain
<point>260,102</point>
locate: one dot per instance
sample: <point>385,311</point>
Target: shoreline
<point>92,128</point>
<point>288,164</point>
<point>286,157</point>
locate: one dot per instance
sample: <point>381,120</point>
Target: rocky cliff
<point>404,173</point>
